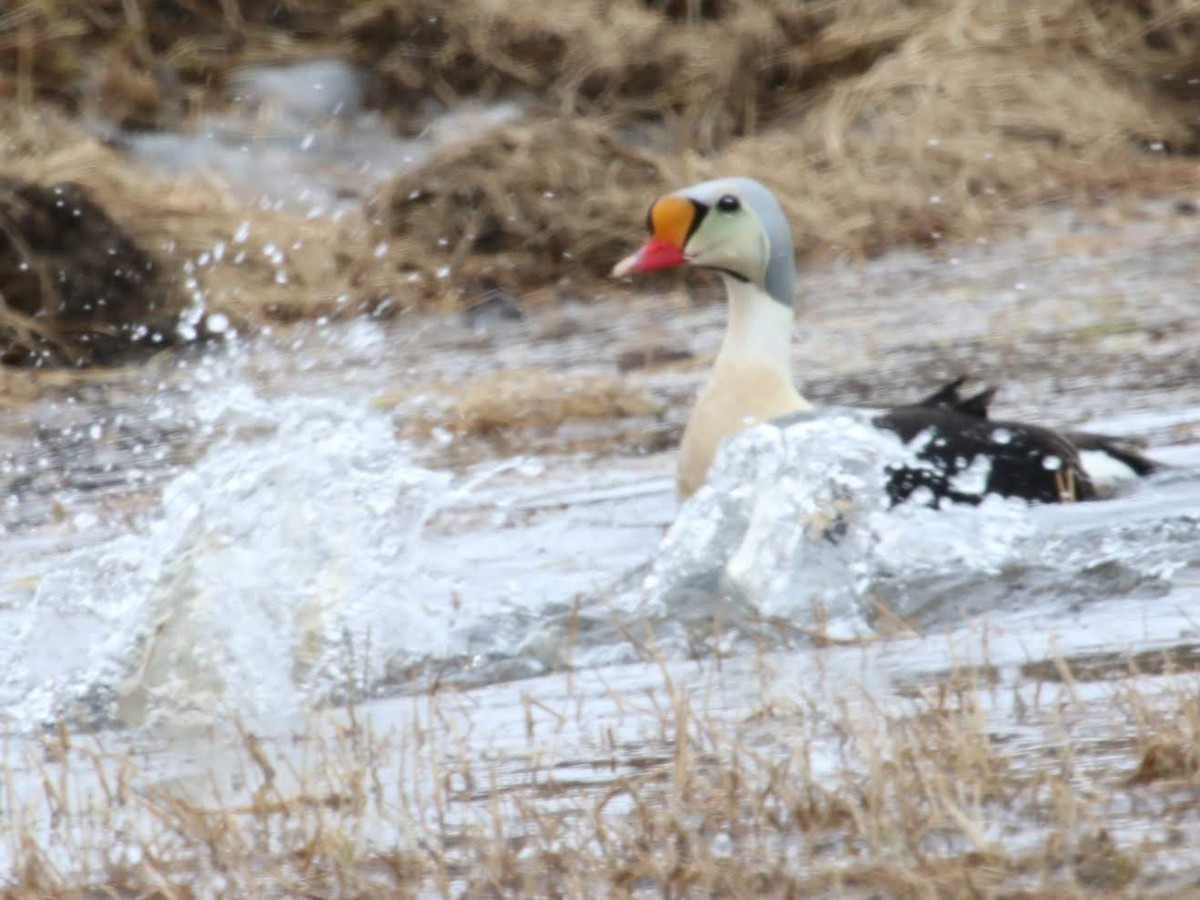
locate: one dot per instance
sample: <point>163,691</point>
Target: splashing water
<point>305,559</point>
<point>794,522</point>
<point>262,582</point>
<point>794,525</point>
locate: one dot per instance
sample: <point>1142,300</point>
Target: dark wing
<point>1026,461</point>
<point>1029,461</point>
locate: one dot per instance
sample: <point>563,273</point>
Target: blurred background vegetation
<point>879,122</point>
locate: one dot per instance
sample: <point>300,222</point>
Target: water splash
<point>261,584</point>
<point>304,559</point>
<point>794,526</point>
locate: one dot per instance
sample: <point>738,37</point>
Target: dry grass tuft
<point>73,286</point>
<point>523,205</point>
<point>944,139</point>
<point>1167,760</point>
<point>535,410</point>
<point>542,400</point>
<point>1168,743</point>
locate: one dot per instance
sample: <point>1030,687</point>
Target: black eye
<point>729,203</point>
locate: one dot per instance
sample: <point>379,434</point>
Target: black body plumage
<point>963,455</point>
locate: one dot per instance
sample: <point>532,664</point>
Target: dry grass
<point>883,123</point>
<point>878,121</point>
<point>1168,740</point>
<point>213,251</point>
<point>532,411</point>
<point>923,797</point>
<point>539,400</point>
<point>75,287</point>
<point>523,206</point>
<point>719,68</point>
<point>180,220</point>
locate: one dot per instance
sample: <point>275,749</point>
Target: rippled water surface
<point>265,529</point>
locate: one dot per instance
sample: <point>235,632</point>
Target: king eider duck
<point>735,227</point>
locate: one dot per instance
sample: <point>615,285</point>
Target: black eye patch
<point>701,212</point>
<point>729,203</point>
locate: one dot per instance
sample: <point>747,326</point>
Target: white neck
<point>759,329</point>
<point>751,381</point>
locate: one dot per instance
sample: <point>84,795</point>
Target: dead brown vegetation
<point>877,121</point>
<point>800,796</point>
<point>524,205</point>
<point>539,400</point>
<point>1168,741</point>
<point>75,286</point>
<point>721,68</point>
<point>206,249</point>
<point>883,123</point>
<point>535,411</point>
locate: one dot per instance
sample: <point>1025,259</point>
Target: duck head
<point>732,225</point>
